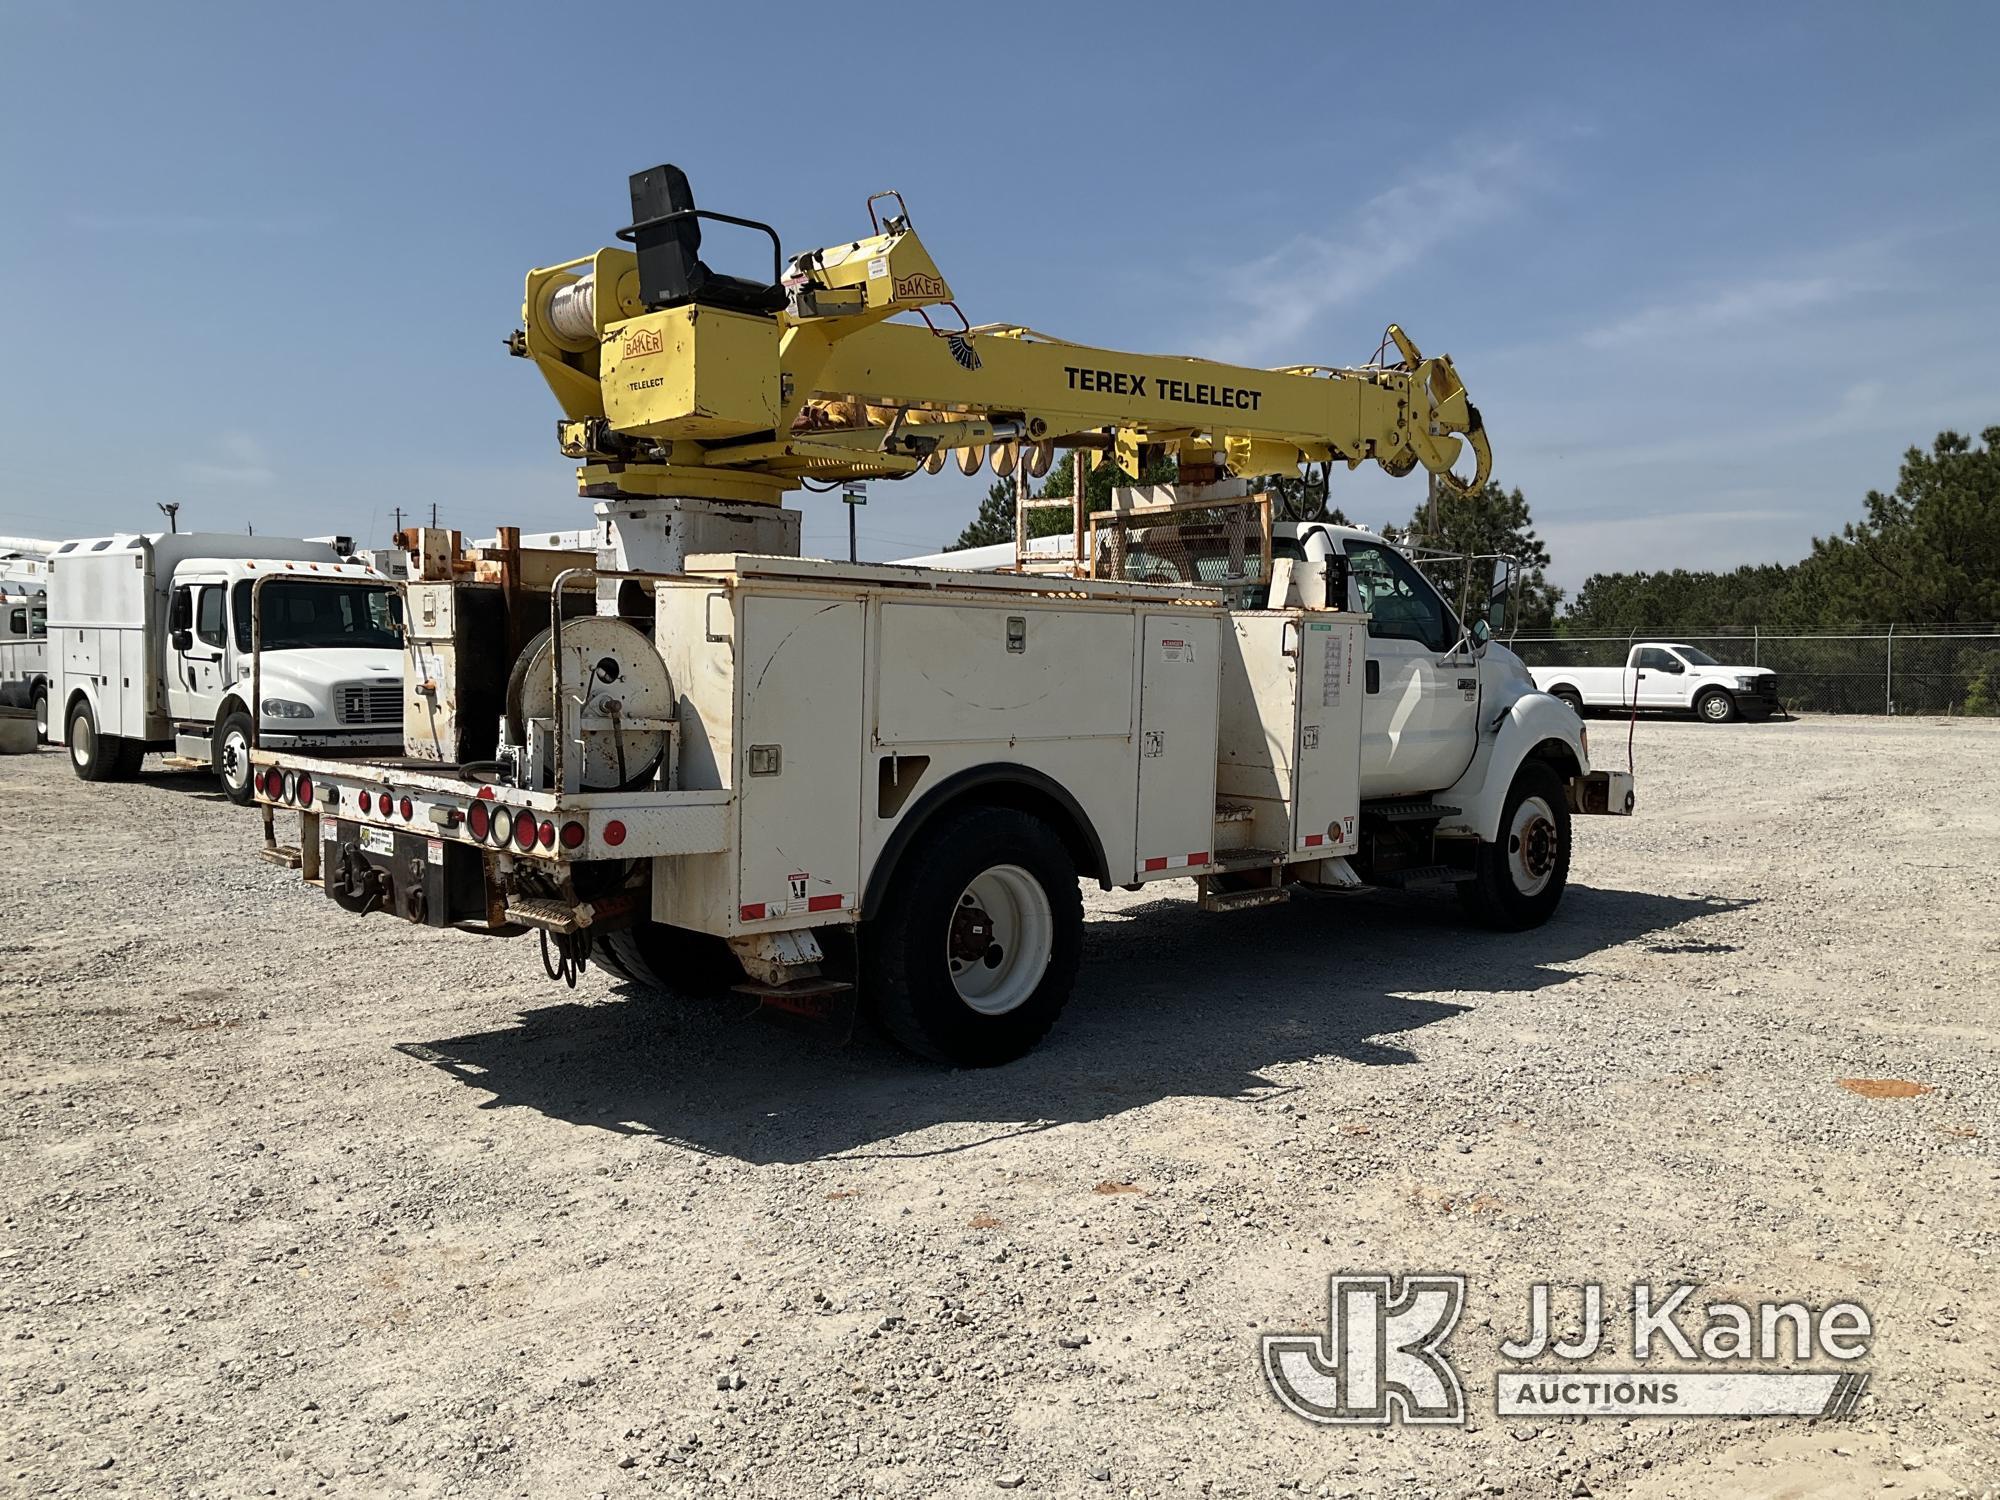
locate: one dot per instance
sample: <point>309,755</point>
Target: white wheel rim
<point>235,759</point>
<point>1715,706</point>
<point>999,939</point>
<point>42,717</point>
<point>82,741</point>
<point>1534,846</point>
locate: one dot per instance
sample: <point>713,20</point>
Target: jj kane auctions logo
<point>1383,1356</point>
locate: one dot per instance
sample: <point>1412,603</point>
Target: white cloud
<point>1721,309</point>
<point>1277,298</point>
<point>238,459</point>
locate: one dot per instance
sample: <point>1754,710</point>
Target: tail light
<point>406,809</point>
<point>274,783</point>
<point>572,835</point>
<point>478,820</point>
<point>305,790</point>
<point>614,833</point>
<point>366,802</point>
<point>548,834</point>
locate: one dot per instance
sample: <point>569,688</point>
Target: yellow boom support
<point>675,381</point>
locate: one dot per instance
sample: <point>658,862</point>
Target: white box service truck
<point>151,648</point>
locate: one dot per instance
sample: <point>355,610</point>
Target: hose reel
<point>619,698</point>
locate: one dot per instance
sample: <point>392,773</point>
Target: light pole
<point>171,509</point>
<point>853,496</point>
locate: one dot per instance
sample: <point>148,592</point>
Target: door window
<point>208,623</point>
<point>17,621</point>
<point>1653,659</point>
<point>1401,605</point>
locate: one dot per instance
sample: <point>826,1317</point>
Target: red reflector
<point>548,834</point>
<point>305,791</point>
<point>486,792</point>
<point>1157,863</point>
<point>572,835</point>
<point>1313,840</point>
<point>478,819</point>
<point>1197,859</point>
<point>366,801</point>
<point>754,913</point>
<point>503,825</point>
<point>614,835</point>
<point>406,809</point>
<point>824,903</point>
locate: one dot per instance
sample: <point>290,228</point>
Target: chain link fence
<point>1868,669</point>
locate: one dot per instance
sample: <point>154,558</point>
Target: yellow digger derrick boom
<point>675,381</point>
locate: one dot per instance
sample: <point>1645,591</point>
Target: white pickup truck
<point>1666,675</point>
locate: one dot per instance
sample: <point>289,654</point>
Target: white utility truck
<point>1663,675</point>
<point>697,756</point>
<point>151,648</point>
<point>24,653</point>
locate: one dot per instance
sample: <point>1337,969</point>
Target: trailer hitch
<point>356,885</point>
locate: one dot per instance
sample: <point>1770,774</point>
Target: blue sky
<point>1707,270</point>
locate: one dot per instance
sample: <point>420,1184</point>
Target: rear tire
<point>231,757</point>
<point>41,703</point>
<point>1570,699</point>
<point>1715,706</point>
<point>100,757</point>
<point>1519,880</point>
<point>671,959</point>
<point>975,949</point>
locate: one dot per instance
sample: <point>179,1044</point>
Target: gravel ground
<point>299,1204</point>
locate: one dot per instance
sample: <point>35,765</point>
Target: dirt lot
<point>303,1204</point>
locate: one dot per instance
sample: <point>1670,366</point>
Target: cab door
<point>1419,717</point>
<point>197,638</point>
<point>1662,679</point>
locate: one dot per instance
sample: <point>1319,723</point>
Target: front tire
<point>1519,880</point>
<point>1715,706</point>
<point>976,946</point>
<point>231,757</point>
<point>41,701</point>
<point>1570,699</point>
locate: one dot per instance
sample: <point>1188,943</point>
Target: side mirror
<point>183,640</point>
<point>1499,599</point>
<point>1481,632</point>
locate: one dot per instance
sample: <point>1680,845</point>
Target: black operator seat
<point>666,234</point>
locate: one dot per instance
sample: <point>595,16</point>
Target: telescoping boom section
<point>854,362</point>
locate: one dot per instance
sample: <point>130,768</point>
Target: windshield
<point>1696,658</point>
<point>299,614</point>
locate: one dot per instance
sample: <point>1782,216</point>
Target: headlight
<point>287,708</point>
<point>1745,684</point>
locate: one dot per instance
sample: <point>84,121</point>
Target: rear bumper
<point>1608,793</point>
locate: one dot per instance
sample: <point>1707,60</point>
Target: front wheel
<point>1715,706</point>
<point>1570,699</point>
<point>1518,881</point>
<point>231,756</point>
<point>976,947</point>
<point>41,714</point>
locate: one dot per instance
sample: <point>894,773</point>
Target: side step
<point>1267,895</point>
<point>1407,810</point>
<point>1422,875</point>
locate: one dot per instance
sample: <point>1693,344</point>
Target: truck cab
<point>164,642</point>
<point>24,653</point>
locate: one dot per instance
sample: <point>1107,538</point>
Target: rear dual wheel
<point>975,948</point>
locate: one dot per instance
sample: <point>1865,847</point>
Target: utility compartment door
<point>1332,680</point>
<point>1178,667</point>
<point>799,670</point>
<point>1257,741</point>
<point>1005,671</point>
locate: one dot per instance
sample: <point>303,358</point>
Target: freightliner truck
<point>698,758</point>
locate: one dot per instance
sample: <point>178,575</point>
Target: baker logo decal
<point>642,341</point>
<point>919,286</point>
<point>1381,1358</point>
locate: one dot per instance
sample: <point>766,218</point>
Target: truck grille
<point>370,703</point>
